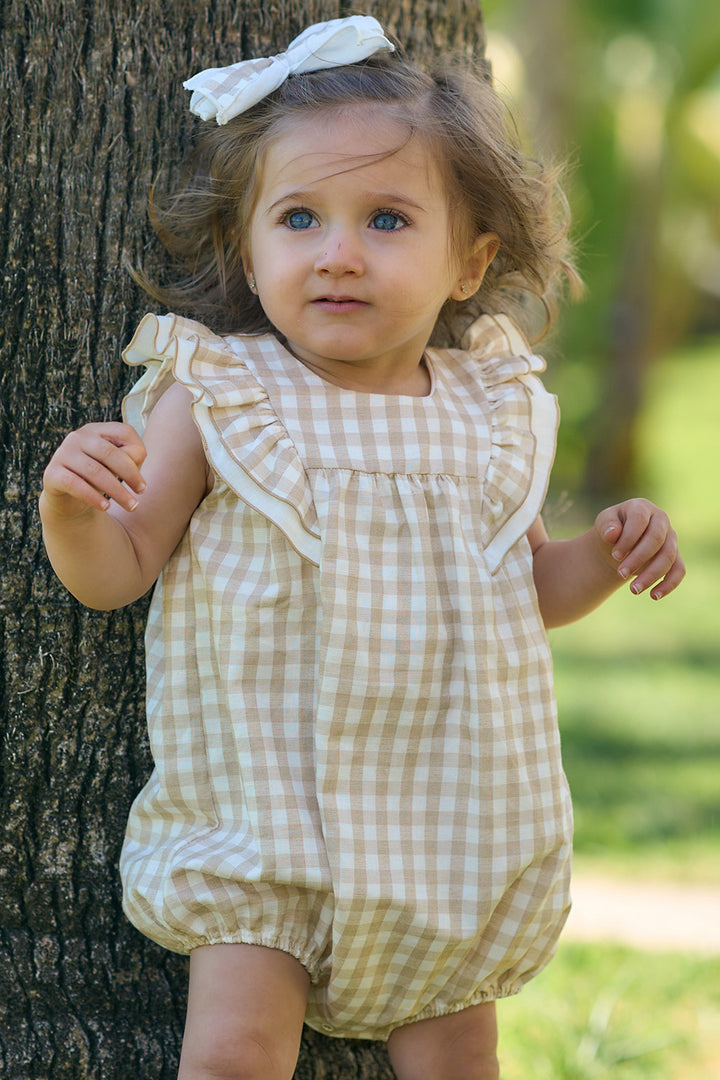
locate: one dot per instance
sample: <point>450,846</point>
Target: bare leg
<point>461,1046</point>
<point>246,1006</point>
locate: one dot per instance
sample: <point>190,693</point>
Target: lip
<point>339,305</point>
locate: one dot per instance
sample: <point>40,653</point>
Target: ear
<point>246,258</point>
<point>482,253</point>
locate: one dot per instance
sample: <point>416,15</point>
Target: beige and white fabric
<point>349,685</point>
<point>222,93</point>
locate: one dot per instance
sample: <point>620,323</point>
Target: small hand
<point>642,544</point>
<point>94,465</point>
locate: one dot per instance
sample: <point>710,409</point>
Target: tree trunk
<point>92,106</point>
<point>611,469</point>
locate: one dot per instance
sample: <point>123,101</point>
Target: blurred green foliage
<point>628,91</point>
<point>638,682</point>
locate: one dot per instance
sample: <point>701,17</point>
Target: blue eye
<point>300,219</point>
<point>387,221</point>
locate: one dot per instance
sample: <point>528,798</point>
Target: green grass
<point>599,1012</point>
<point>638,688</point>
<point>638,682</point>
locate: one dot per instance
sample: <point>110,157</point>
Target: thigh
<point>459,1046</point>
<point>246,1005</point>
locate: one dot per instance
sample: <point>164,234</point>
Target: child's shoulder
<point>492,350</point>
<point>493,336</point>
<point>155,332</point>
<point>180,344</point>
<point>218,370</point>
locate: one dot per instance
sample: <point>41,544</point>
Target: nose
<point>340,253</point>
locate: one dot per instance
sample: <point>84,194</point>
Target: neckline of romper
<point>237,382</point>
<point>313,378</point>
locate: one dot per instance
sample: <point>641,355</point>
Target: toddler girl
<point>358,815</point>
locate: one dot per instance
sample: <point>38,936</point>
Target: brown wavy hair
<point>492,188</point>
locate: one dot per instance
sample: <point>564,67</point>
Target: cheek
<point>271,257</point>
<point>420,299</point>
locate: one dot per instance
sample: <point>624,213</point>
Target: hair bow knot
<point>222,93</point>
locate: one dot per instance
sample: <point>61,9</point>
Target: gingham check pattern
<point>222,93</point>
<point>350,703</point>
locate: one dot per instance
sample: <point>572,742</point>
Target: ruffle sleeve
<point>246,444</point>
<point>524,422</point>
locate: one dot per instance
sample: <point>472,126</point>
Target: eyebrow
<point>379,198</point>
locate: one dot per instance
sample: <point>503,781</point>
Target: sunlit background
<point>628,93</point>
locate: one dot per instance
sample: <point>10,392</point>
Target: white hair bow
<point>222,93</point>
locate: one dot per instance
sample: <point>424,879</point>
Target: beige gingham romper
<point>349,685</point>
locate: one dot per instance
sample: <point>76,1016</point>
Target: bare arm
<point>631,540</point>
<point>108,527</point>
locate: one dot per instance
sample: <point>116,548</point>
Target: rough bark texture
<point>93,104</point>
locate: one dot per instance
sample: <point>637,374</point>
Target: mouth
<point>339,305</point>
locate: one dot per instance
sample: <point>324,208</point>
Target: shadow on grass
<point>629,789</point>
<point>601,749</point>
<point>695,657</point>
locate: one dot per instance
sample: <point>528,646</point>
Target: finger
<point>653,569</point>
<point>671,580</point>
<point>117,482</point>
<point>125,437</point>
<point>61,483</point>
<point>113,448</point>
<point>610,530</point>
<point>658,574</point>
<point>121,466</point>
<point>656,547</point>
<point>636,520</point>
<point>621,526</point>
<point>91,464</point>
<point>115,445</point>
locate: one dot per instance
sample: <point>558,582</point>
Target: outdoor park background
<point>630,93</point>
<point>628,90</point>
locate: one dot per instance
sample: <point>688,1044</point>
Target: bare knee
<point>461,1046</point>
<point>462,1066</point>
<point>246,1005</point>
<point>236,1058</point>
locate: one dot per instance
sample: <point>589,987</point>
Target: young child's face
<point>350,249</point>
